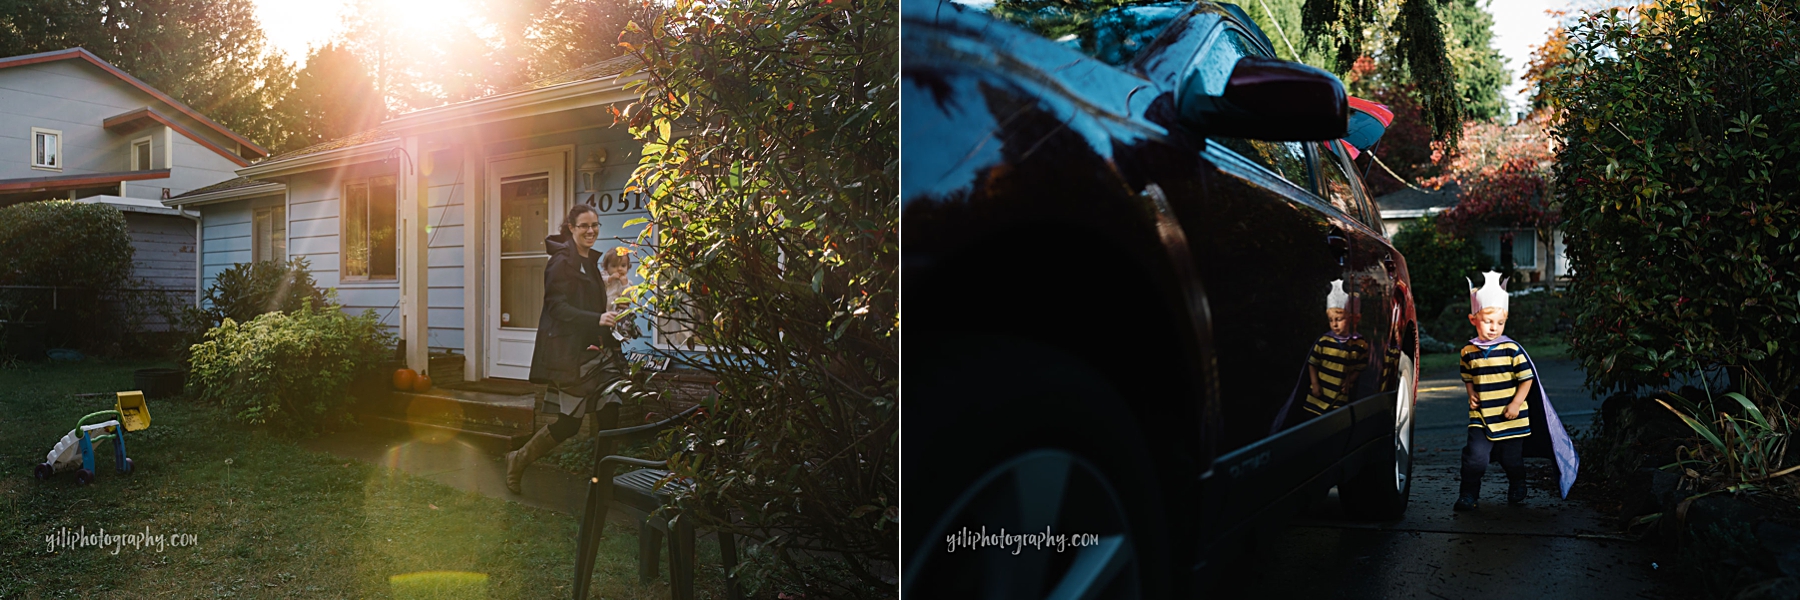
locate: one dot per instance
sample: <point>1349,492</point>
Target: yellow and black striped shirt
<point>1335,361</point>
<point>1496,372</point>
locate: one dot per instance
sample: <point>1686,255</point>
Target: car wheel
<point>1380,491</point>
<point>1029,443</point>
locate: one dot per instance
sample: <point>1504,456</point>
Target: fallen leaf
<point>433,506</point>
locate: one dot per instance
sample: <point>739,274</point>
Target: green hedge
<point>1439,264</point>
<point>65,244</point>
<point>1678,166</point>
<point>289,371</point>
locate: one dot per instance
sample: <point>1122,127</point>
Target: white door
<point>527,203</point>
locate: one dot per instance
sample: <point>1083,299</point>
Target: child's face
<point>1340,322</point>
<point>1489,325</point>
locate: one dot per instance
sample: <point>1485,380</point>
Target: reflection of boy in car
<point>1337,358</point>
<point>1498,375</point>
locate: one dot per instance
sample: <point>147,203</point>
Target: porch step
<point>496,422</point>
<point>490,439</point>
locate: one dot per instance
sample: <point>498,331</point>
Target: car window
<point>1337,185</point>
<point>1112,34</point>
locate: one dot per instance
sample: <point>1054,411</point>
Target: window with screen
<point>369,242</point>
<point>270,234</point>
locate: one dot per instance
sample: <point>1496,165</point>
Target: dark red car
<point>1127,234</point>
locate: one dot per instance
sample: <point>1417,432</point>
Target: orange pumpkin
<point>422,383</point>
<point>404,379</point>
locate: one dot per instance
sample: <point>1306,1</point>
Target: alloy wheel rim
<point>1041,494</point>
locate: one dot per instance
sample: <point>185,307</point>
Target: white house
<point>1529,253</point>
<point>436,218</point>
<point>73,126</point>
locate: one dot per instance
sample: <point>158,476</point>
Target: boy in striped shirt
<point>1498,375</point>
<point>1337,358</point>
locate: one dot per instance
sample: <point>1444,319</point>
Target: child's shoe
<point>1465,503</point>
<point>1515,493</point>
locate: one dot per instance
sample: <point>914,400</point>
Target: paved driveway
<point>1548,548</point>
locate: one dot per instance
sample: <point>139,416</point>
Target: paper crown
<point>1492,293</point>
<point>1337,298</point>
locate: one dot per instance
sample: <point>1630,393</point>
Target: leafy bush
<point>1680,149</point>
<point>68,245</point>
<point>63,243</point>
<point>290,371</point>
<point>775,226</point>
<point>1440,264</point>
<point>249,289</point>
<point>1534,316</point>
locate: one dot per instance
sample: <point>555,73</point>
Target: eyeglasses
<point>591,226</point>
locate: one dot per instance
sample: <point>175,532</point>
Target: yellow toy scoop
<point>133,412</point>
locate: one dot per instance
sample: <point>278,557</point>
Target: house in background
<point>1529,253</point>
<point>73,126</point>
<point>436,219</point>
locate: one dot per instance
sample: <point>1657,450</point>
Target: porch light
<point>590,170</point>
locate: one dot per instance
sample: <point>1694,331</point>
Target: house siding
<point>76,97</point>
<point>163,263</point>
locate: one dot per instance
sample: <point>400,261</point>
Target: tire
<point>43,471</point>
<point>1027,438</point>
<point>1380,491</point>
<point>83,477</point>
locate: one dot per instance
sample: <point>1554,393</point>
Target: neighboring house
<point>1528,252</point>
<point>74,127</point>
<point>436,218</point>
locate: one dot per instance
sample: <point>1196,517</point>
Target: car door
<point>1372,267</point>
<point>1268,252</point>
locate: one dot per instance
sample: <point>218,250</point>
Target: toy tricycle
<point>77,448</point>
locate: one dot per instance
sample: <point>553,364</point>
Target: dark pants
<point>1475,457</point>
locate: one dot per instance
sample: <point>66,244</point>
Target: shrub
<point>289,371</point>
<point>775,218</point>
<point>1680,149</point>
<point>249,289</point>
<point>1440,264</point>
<point>69,245</point>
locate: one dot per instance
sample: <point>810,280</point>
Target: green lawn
<point>269,519</point>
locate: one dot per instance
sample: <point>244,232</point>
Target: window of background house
<point>140,154</point>
<point>1524,247</point>
<point>369,245</point>
<point>271,234</point>
<point>46,148</point>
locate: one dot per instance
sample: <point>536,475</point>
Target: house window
<point>270,234</point>
<point>140,154</point>
<point>1524,247</point>
<point>369,245</point>
<point>46,148</point>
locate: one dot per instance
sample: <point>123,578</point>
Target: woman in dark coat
<point>576,355</point>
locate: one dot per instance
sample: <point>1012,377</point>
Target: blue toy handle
<point>87,451</point>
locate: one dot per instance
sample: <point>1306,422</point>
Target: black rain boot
<point>1515,492</point>
<point>1466,503</point>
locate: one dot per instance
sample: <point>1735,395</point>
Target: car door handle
<point>1388,263</point>
<point>1339,244</point>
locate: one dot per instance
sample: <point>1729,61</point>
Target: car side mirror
<point>1270,99</point>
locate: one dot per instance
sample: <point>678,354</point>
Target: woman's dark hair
<point>569,221</point>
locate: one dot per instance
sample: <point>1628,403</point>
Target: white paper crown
<point>1337,298</point>
<point>1492,293</point>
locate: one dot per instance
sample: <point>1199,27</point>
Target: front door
<point>528,201</point>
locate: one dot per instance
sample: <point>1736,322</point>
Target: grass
<point>269,519</point>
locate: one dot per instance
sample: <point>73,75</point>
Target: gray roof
<point>1412,199</point>
<point>229,184</point>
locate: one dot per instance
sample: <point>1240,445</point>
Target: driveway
<point>1548,548</point>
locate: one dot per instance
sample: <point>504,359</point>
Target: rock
<point>1783,543</point>
<point>1779,588</point>
<point>1723,510</point>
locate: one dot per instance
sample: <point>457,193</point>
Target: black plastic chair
<point>644,491</point>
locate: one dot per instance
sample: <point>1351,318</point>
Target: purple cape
<point>1543,419</point>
